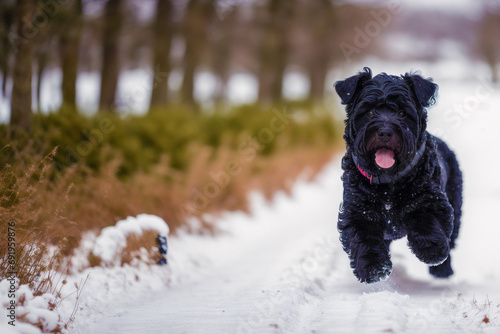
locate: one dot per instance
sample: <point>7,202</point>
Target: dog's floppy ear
<point>346,88</point>
<point>425,90</point>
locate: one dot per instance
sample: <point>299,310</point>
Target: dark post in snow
<point>163,247</point>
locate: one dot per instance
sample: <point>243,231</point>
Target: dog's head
<point>386,118</point>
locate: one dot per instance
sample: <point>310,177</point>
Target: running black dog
<point>398,179</point>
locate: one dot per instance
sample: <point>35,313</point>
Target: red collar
<point>365,174</point>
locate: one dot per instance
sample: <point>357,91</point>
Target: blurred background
<point>180,108</point>
<point>132,56</point>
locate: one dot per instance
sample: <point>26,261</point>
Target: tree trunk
<point>161,53</point>
<point>317,77</point>
<point>199,14</point>
<point>69,43</point>
<point>42,58</point>
<point>6,22</point>
<point>21,89</point>
<point>318,48</point>
<point>319,54</point>
<point>110,62</point>
<point>494,72</point>
<point>273,51</point>
<point>487,42</point>
<point>222,51</point>
<point>190,64</point>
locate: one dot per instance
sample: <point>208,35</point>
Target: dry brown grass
<point>57,213</point>
<point>33,226</point>
<point>141,248</point>
<point>144,193</point>
<point>103,200</point>
<point>281,172</point>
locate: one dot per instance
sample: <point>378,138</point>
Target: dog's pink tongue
<point>384,158</point>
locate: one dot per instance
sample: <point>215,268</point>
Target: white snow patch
<point>38,313</point>
<point>242,88</point>
<point>88,85</point>
<point>296,85</point>
<point>90,297</point>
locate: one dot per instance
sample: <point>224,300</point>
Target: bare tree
<point>110,72</point>
<point>199,14</point>
<point>221,49</point>
<point>42,57</point>
<point>21,89</point>
<point>319,53</point>
<point>43,46</point>
<point>69,43</point>
<point>274,49</point>
<point>488,41</point>
<point>162,30</point>
<point>6,22</point>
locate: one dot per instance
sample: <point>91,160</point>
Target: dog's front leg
<point>429,231</point>
<point>362,235</point>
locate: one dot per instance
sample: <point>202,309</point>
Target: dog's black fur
<point>420,195</point>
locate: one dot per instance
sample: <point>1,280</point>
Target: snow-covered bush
<point>132,239</point>
<point>28,313</point>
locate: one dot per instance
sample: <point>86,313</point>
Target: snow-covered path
<point>281,269</point>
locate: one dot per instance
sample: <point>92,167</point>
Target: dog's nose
<point>385,134</point>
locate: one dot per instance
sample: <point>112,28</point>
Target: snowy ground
<point>281,269</point>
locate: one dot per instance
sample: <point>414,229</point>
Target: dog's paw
<point>443,270</point>
<point>374,271</point>
<point>432,249</point>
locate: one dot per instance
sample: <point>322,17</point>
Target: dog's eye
<point>402,114</point>
<point>369,114</point>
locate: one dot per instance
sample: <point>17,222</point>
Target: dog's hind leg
<point>453,186</point>
<point>454,192</point>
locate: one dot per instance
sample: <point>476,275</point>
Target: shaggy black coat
<point>420,196</point>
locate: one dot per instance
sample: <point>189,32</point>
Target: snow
<point>109,289</point>
<point>88,86</point>
<point>296,85</point>
<point>242,88</point>
<point>111,282</point>
<point>36,311</point>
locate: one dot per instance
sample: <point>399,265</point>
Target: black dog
<point>398,179</point>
